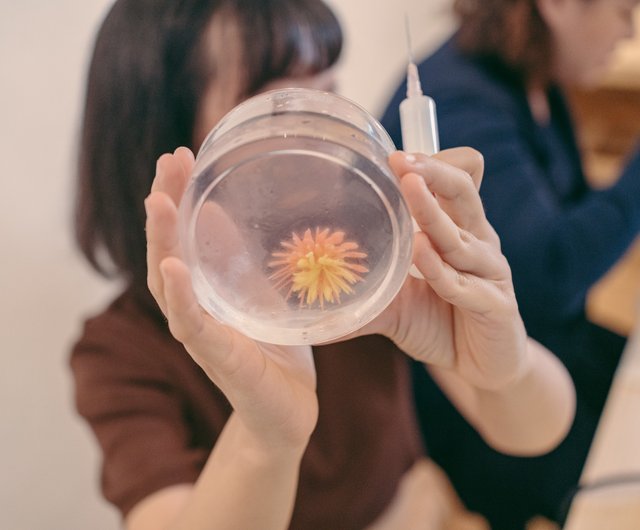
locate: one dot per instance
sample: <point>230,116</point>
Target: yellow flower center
<point>317,268</point>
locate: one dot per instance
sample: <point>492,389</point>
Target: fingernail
<point>409,158</point>
<point>158,168</point>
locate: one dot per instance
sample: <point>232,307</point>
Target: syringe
<point>418,122</point>
<point>418,118</point>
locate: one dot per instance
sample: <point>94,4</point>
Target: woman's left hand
<point>463,316</point>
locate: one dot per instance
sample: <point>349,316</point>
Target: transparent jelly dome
<point>293,224</point>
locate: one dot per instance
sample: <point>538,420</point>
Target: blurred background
<point>48,458</point>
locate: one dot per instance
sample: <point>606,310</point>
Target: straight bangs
<point>287,39</point>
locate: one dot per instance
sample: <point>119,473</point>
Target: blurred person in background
<point>500,83</point>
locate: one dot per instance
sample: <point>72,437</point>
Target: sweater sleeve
<point>134,412</point>
<point>557,250</point>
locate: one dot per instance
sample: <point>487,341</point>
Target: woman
<point>499,84</point>
<point>200,426</point>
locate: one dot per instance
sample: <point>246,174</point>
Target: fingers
<point>464,159</point>
<point>186,317</point>
<point>458,248</point>
<point>186,158</point>
<point>172,174</point>
<point>466,290</point>
<point>162,240</point>
<point>468,160</point>
<point>183,312</point>
<point>210,343</point>
<point>455,186</point>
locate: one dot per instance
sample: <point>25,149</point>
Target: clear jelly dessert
<point>293,224</point>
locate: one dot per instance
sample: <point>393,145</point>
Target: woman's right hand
<point>272,389</point>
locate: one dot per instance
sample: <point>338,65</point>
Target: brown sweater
<point>156,417</point>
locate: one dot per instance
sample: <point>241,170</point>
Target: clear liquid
<point>253,199</point>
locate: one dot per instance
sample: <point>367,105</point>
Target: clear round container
<point>293,224</point>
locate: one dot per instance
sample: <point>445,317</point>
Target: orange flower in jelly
<point>318,266</point>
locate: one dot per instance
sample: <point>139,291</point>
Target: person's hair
<point>513,31</point>
<point>152,63</point>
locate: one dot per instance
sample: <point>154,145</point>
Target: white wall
<point>375,56</point>
<point>48,459</point>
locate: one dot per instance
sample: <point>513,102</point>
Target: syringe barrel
<point>419,124</point>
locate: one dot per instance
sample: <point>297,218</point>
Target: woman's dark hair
<point>511,30</point>
<point>151,65</point>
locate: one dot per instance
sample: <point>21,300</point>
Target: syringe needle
<point>413,80</point>
<point>408,36</point>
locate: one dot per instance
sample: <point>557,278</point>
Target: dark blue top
<point>559,235</point>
